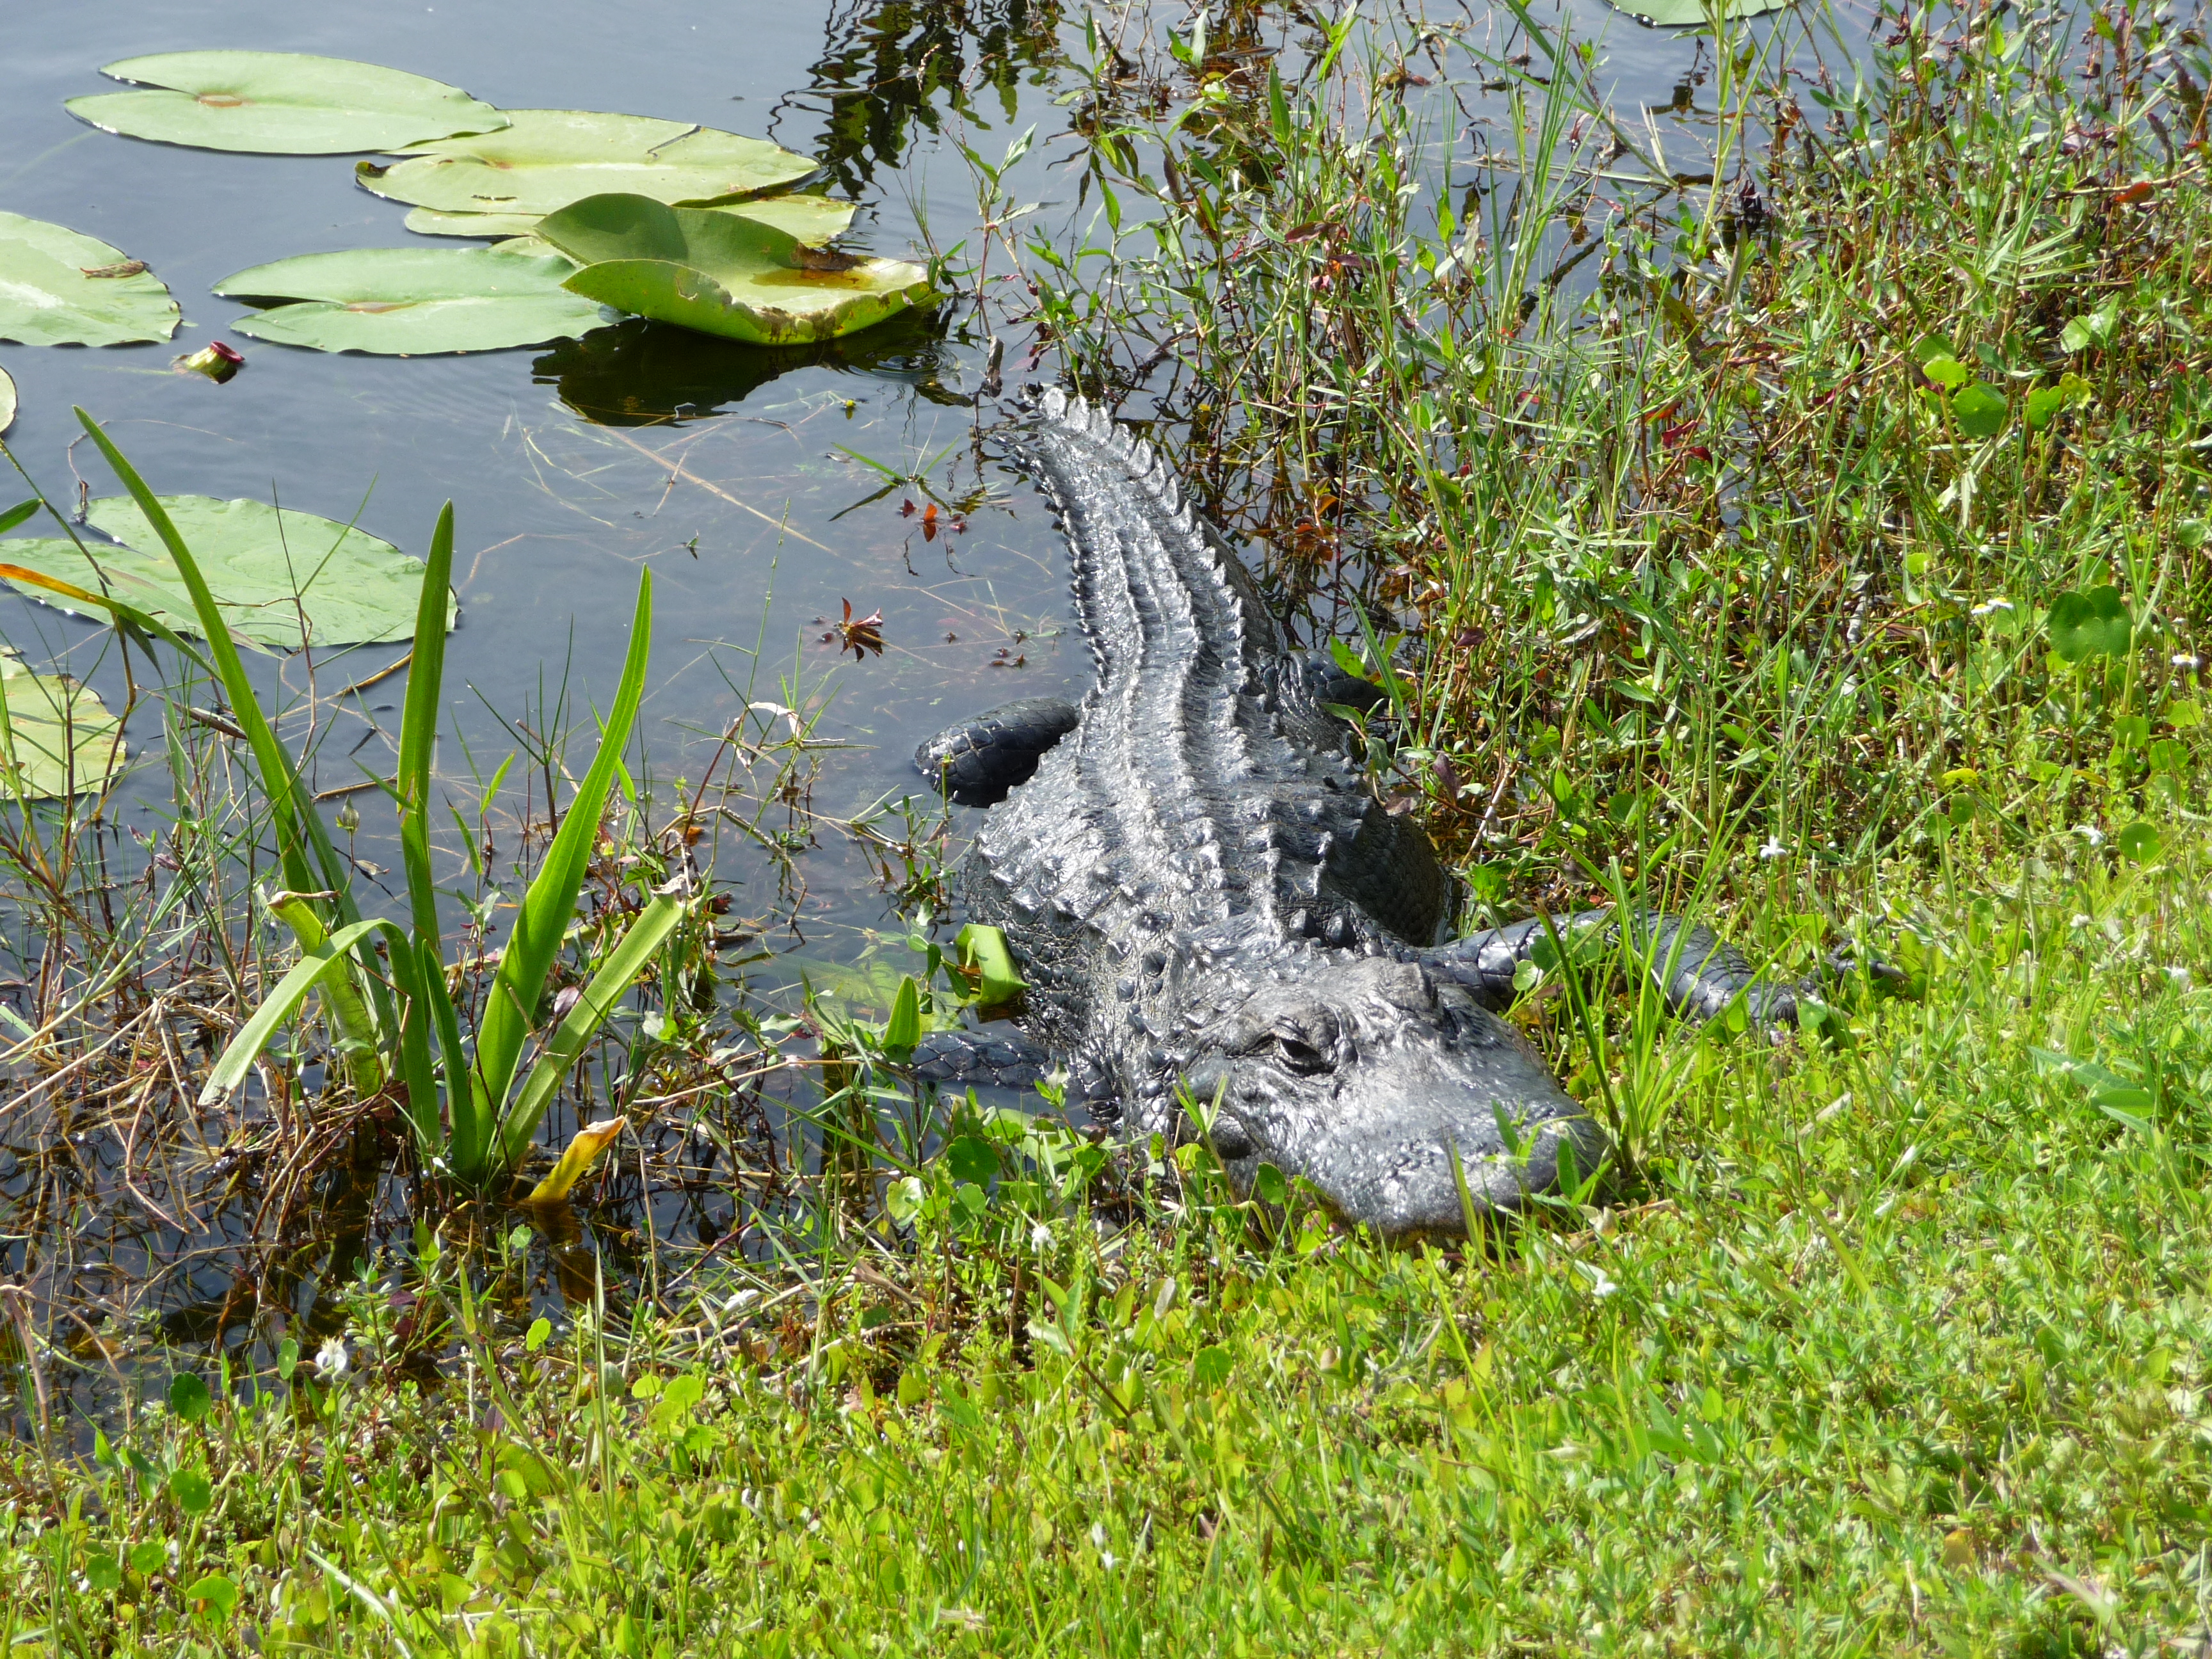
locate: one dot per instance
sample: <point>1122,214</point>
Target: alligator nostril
<point>1231,1141</point>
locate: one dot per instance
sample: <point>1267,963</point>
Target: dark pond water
<point>571,467</point>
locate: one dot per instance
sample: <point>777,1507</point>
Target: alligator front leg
<point>978,761</point>
<point>1699,974</point>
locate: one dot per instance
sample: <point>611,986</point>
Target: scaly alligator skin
<point>1201,893</point>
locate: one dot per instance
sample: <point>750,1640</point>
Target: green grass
<point>1902,1349</point>
<point>1894,1339</point>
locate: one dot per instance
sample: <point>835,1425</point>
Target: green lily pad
<point>1693,14</point>
<point>58,738</point>
<point>265,566</point>
<point>7,401</point>
<point>429,222</point>
<point>810,221</point>
<point>549,158</point>
<point>279,103</point>
<point>724,274</point>
<point>49,294</point>
<point>414,301</point>
<point>2092,624</point>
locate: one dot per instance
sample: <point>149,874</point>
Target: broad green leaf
<point>194,1491</point>
<point>575,1163</point>
<point>263,566</point>
<point>903,1030</point>
<point>407,302</point>
<point>1694,14</point>
<point>2045,403</point>
<point>722,275</point>
<point>7,401</point>
<point>214,1595</point>
<point>1980,411</point>
<point>548,158</point>
<point>279,103</point>
<point>55,736</point>
<point>189,1397</point>
<point>1929,347</point>
<point>810,221</point>
<point>49,294</point>
<point>972,1158</point>
<point>2094,328</point>
<point>2092,624</point>
<point>2140,842</point>
<point>983,952</point>
<point>1946,371</point>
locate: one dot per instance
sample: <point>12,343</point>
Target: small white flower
<point>331,1360</point>
<point>2090,833</point>
<point>2181,977</point>
<point>1602,1282</point>
<point>2182,659</point>
<point>1040,1237</point>
<point>1988,606</point>
<point>1773,849</point>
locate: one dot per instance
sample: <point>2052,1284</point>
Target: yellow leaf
<point>1959,1548</point>
<point>583,1150</point>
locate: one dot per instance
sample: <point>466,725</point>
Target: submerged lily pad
<point>413,302</point>
<point>58,738</point>
<point>265,568</point>
<point>724,274</point>
<point>7,401</point>
<point>810,221</point>
<point>279,103</point>
<point>548,158</point>
<point>1694,14</point>
<point>58,288</point>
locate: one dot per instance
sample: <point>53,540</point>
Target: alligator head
<point>1365,1076</point>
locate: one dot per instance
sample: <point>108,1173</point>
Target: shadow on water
<point>644,373</point>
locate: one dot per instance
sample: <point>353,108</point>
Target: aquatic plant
<point>398,1020</point>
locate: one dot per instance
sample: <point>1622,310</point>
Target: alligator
<point>1224,933</point>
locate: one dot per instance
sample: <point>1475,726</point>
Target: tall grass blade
<point>239,1054</point>
<point>653,925</point>
<point>299,826</point>
<point>550,905</point>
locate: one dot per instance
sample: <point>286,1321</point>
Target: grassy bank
<point>1822,544</point>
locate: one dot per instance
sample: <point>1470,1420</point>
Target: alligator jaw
<point>1366,1077</point>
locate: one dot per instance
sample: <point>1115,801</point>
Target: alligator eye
<point>1296,1051</point>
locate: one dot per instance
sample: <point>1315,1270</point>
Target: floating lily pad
<point>724,274</point>
<point>7,401</point>
<point>265,569</point>
<point>411,301</point>
<point>549,158</point>
<point>1692,13</point>
<point>810,221</point>
<point>59,737</point>
<point>279,103</point>
<point>429,222</point>
<point>58,288</point>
